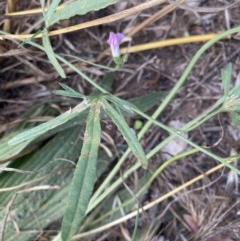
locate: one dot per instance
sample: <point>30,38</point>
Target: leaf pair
<point>115,115</point>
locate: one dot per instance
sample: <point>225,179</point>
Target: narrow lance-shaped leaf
<point>68,92</point>
<point>127,133</point>
<point>37,131</point>
<point>84,176</point>
<point>50,11</point>
<point>51,55</point>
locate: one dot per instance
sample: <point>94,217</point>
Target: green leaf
<point>127,133</point>
<point>50,11</point>
<point>84,176</point>
<point>30,135</point>
<point>79,7</point>
<point>50,53</point>
<point>51,165</point>
<point>8,152</point>
<point>68,92</point>
<point>226,75</point>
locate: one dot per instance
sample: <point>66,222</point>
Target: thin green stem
<point>73,67</point>
<point>88,62</point>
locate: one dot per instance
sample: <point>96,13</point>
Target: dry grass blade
<point>202,9</point>
<point>32,11</point>
<point>8,169</point>
<point>11,7</point>
<point>207,214</point>
<point>7,189</point>
<point>168,42</point>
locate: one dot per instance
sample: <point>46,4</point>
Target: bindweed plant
<point>79,195</point>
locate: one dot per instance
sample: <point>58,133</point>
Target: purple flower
<point>114,41</point>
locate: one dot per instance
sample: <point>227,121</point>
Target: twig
<point>203,9</point>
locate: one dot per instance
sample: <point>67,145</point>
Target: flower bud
<point>114,41</point>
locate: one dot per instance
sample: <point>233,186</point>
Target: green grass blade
<point>51,55</point>
<point>127,133</point>
<point>84,176</point>
<point>30,135</point>
<point>79,7</point>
